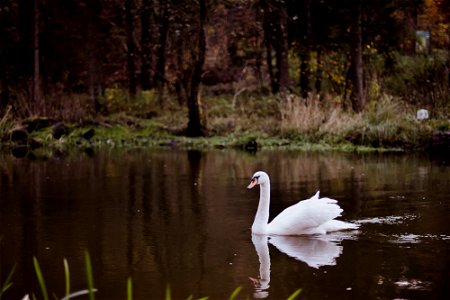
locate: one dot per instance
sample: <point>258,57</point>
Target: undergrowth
<point>385,123</point>
<point>233,121</point>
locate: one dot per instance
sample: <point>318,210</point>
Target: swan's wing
<point>301,217</point>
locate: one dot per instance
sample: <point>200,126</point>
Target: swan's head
<point>259,177</point>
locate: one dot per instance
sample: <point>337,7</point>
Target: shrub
<point>421,80</point>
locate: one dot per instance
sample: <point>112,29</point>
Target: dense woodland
<point>54,51</point>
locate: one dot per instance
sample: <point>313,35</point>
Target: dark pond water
<point>182,218</point>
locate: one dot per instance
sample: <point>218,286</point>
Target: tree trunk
<point>146,67</point>
<point>94,65</point>
<point>258,65</point>
<point>129,15</point>
<point>305,54</point>
<point>282,49</point>
<point>161,63</point>
<point>268,42</point>
<point>259,54</point>
<point>274,86</point>
<point>448,59</point>
<point>304,73</point>
<point>36,69</point>
<point>195,124</point>
<point>4,94</point>
<point>319,71</point>
<point>357,96</point>
<point>182,82</point>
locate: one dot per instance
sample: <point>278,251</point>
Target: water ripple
<point>416,238</point>
<point>413,284</point>
<point>391,220</point>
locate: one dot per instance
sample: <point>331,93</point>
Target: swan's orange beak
<point>253,182</point>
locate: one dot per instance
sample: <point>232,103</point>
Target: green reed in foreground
<point>67,277</point>
<point>8,283</point>
<point>90,284</point>
<point>40,278</point>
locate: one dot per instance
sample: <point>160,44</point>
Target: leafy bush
<point>421,80</point>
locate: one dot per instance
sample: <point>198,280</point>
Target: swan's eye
<point>253,182</point>
<point>255,178</point>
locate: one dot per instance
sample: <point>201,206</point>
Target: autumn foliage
<point>62,58</point>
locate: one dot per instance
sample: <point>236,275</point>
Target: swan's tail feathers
<point>329,200</point>
<point>330,205</point>
<point>316,196</point>
<point>337,225</point>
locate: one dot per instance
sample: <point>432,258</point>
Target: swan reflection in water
<point>262,250</point>
<point>315,251</point>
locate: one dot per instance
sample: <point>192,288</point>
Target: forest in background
<point>73,60</point>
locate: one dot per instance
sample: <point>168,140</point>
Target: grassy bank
<point>248,121</point>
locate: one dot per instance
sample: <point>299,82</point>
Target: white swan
<point>312,216</point>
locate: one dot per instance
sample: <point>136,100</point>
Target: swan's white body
<point>312,216</point>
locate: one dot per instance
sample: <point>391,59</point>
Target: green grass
<point>67,277</point>
<point>7,283</point>
<point>294,294</point>
<point>89,275</point>
<point>129,289</point>
<point>235,293</point>
<point>168,295</point>
<point>40,278</point>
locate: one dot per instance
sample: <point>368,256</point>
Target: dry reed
<point>313,117</point>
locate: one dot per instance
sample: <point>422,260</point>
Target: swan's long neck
<point>262,214</point>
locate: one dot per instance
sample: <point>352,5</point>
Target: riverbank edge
<point>42,137</point>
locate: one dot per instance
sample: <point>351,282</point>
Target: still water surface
<point>183,218</point>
